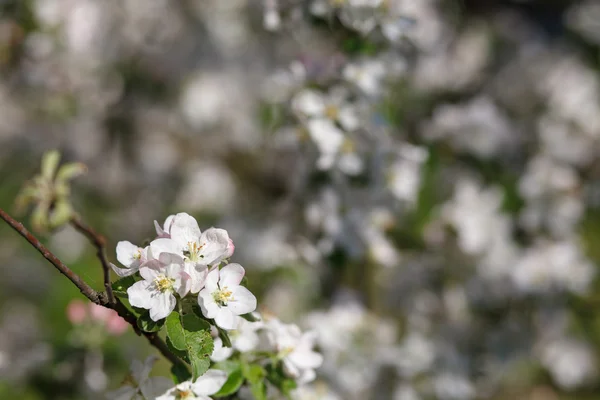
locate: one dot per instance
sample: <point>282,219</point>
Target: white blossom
<point>223,298</point>
<point>206,385</point>
<point>139,385</point>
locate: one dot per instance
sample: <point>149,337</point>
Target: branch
<point>83,287</point>
<point>99,298</point>
<point>100,243</point>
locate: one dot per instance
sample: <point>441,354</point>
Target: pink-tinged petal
<point>128,253</point>
<point>225,318</point>
<point>212,280</point>
<point>149,274</point>
<point>170,258</point>
<point>230,248</point>
<point>122,272</point>
<point>306,359</point>
<point>184,229</point>
<point>160,233</point>
<point>243,301</point>
<point>198,275</point>
<point>163,304</point>
<point>207,304</point>
<point>183,284</point>
<point>215,245</point>
<point>209,383</point>
<point>140,294</point>
<point>76,311</point>
<point>231,275</point>
<point>164,245</point>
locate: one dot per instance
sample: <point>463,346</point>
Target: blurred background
<point>416,180</point>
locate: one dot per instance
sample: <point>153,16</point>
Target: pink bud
<point>99,313</point>
<point>76,311</point>
<point>230,248</point>
<point>116,325</point>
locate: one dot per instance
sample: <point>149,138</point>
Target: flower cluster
<point>184,261</point>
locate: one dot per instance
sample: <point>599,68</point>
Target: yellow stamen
<point>163,283</point>
<point>223,296</point>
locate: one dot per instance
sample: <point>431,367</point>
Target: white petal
<point>209,383</point>
<point>155,386</point>
<point>207,303</point>
<point>162,306</point>
<point>123,393</point>
<point>309,103</point>
<point>126,253</point>
<point>140,371</point>
<point>225,318</point>
<point>185,229</point>
<point>149,274</point>
<point>215,245</point>
<point>243,301</point>
<point>212,280</point>
<point>122,272</point>
<point>140,294</point>
<point>306,376</point>
<point>290,369</point>
<point>306,359</point>
<point>198,274</point>
<point>220,353</point>
<point>231,275</point>
<point>164,245</point>
<point>170,258</point>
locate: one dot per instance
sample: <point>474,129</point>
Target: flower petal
<point>185,229</point>
<point>128,253</point>
<point>243,301</point>
<point>149,274</point>
<point>306,359</point>
<point>209,383</point>
<point>162,306</point>
<point>122,272</point>
<point>212,280</point>
<point>207,304</point>
<point>225,318</point>
<point>164,245</point>
<point>216,245</point>
<point>231,275</point>
<point>140,294</point>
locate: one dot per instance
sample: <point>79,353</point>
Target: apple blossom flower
<point>209,383</point>
<point>79,312</point>
<point>294,348</point>
<point>156,291</point>
<point>220,352</point>
<point>223,298</point>
<point>198,249</point>
<point>139,385</point>
<point>131,256</point>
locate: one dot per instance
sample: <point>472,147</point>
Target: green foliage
<point>278,378</point>
<point>180,374</point>
<point>145,323</point>
<point>190,334</point>
<point>235,378</point>
<point>255,375</point>
<point>120,286</point>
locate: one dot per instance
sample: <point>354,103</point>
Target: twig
<point>83,287</point>
<point>100,243</point>
<point>99,298</point>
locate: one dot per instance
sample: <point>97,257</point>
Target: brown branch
<point>99,298</point>
<point>100,243</point>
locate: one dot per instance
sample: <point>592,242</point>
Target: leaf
<point>145,323</point>
<point>277,377</point>
<point>250,317</point>
<point>255,375</point>
<point>180,373</point>
<point>224,337</point>
<point>192,335</point>
<point>234,381</point>
<point>50,162</point>
<point>120,286</point>
<point>179,353</point>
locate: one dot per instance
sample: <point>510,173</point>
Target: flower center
<point>163,283</point>
<point>183,394</point>
<point>193,252</point>
<point>331,112</point>
<point>138,254</point>
<point>223,296</point>
<point>286,351</point>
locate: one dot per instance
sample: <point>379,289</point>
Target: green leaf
<point>277,377</point>
<point>179,353</point>
<point>50,162</point>
<point>145,323</point>
<point>70,171</point>
<point>180,373</point>
<point>120,286</point>
<point>255,375</point>
<point>250,317</point>
<point>234,381</point>
<point>224,337</point>
<point>192,335</point>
